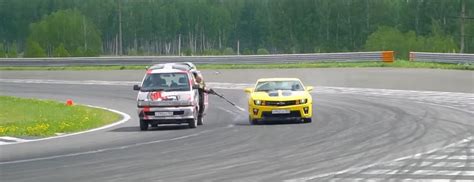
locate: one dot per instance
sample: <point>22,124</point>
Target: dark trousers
<point>201,102</point>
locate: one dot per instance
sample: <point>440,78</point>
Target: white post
<point>85,32</point>
<point>238,47</point>
<point>179,45</point>
<point>463,17</point>
<point>120,26</point>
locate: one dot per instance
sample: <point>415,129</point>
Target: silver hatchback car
<point>167,95</point>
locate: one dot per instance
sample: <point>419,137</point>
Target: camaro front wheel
<point>307,120</point>
<point>253,121</point>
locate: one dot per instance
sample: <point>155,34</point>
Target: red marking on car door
<point>155,96</point>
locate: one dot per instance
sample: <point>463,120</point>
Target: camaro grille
<point>280,103</point>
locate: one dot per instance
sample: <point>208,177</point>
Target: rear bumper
<point>179,114</point>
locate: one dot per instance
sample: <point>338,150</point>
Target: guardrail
<point>385,56</point>
<point>442,57</point>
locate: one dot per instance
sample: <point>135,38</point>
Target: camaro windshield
<point>265,86</point>
<point>166,82</point>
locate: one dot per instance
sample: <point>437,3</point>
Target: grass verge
<point>396,64</point>
<point>41,118</point>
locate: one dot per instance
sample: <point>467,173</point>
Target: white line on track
<point>460,100</point>
<point>355,169</point>
<point>430,164</point>
<point>103,150</point>
<point>239,86</point>
<point>419,172</point>
<point>383,179</point>
<point>70,82</point>
<point>466,140</point>
<point>459,157</point>
<point>240,108</point>
<point>113,148</point>
<point>444,172</point>
<point>125,118</point>
<point>375,164</point>
<point>12,138</point>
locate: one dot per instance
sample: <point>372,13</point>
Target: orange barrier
<point>388,56</point>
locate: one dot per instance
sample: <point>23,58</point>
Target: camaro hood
<point>279,95</point>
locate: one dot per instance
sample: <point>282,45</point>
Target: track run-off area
<point>379,124</point>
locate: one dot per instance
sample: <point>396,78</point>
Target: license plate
<point>281,111</point>
<point>163,113</point>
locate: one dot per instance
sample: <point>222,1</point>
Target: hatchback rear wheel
<point>143,125</point>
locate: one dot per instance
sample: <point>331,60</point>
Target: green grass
<point>396,64</point>
<point>41,118</point>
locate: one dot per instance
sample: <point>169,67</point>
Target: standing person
<point>201,89</point>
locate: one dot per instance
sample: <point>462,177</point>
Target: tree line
<point>213,27</point>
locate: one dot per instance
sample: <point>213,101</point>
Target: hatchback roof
<point>188,64</point>
<point>169,66</point>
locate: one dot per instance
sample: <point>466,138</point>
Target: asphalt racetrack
<point>380,124</point>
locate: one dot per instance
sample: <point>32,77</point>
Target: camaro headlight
<point>257,102</point>
<point>303,101</point>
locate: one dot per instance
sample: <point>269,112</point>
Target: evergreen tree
<point>34,49</point>
<point>194,27</point>
<point>69,28</point>
<point>60,51</point>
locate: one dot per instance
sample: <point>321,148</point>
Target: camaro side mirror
<point>136,87</point>
<point>309,88</point>
<point>195,86</point>
<point>248,90</point>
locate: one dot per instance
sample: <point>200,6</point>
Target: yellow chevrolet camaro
<point>274,99</point>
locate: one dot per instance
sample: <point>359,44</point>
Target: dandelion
<point>3,130</point>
